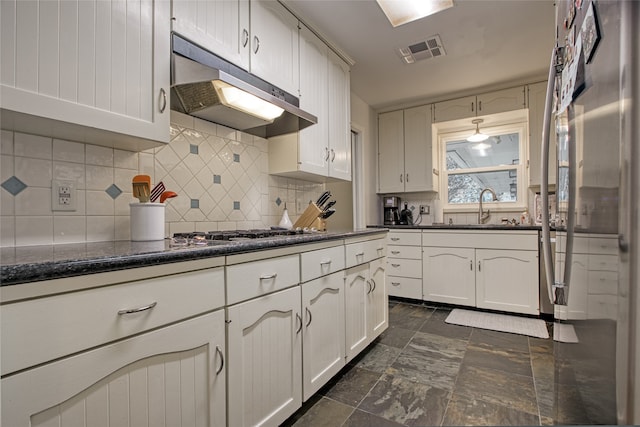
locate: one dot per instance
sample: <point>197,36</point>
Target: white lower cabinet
<point>365,304</point>
<point>496,271</point>
<point>404,264</point>
<point>264,338</point>
<point>171,376</point>
<point>323,342</point>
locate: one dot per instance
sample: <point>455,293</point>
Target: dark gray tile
<point>351,386</point>
<point>464,410</point>
<point>396,337</point>
<point>378,358</point>
<point>406,402</point>
<point>542,346</point>
<point>430,359</point>
<point>495,340</point>
<point>323,413</point>
<point>502,360</point>
<point>489,385</point>
<point>365,419</point>
<point>408,316</point>
<point>542,365</point>
<point>436,325</point>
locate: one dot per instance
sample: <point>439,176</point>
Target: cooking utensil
<point>141,187</point>
<point>323,199</point>
<point>167,195</point>
<point>157,191</point>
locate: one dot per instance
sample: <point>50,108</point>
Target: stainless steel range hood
<point>199,79</point>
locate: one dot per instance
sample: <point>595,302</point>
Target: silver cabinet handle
<point>326,154</point>
<point>401,178</point>
<point>309,315</point>
<point>374,285</point>
<point>479,269</point>
<point>245,37</point>
<point>268,277</point>
<point>218,351</point>
<point>479,105</point>
<point>370,287</point>
<point>326,262</point>
<point>395,252</point>
<point>138,309</point>
<point>471,265</point>
<point>298,318</point>
<point>360,254</point>
<point>395,283</point>
<point>472,106</point>
<point>163,100</point>
<point>256,44</point>
<point>395,265</point>
<point>407,177</point>
<point>333,155</point>
<point>395,239</point>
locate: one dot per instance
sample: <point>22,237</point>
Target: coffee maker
<point>391,206</point>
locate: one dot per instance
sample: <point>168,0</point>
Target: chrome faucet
<point>483,216</point>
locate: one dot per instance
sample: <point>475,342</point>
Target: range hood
<point>202,84</point>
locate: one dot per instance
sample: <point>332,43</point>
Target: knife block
<point>308,217</point>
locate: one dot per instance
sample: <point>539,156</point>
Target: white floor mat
<point>564,332</point>
<point>499,322</point>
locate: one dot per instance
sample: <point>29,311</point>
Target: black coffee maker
<point>391,207</point>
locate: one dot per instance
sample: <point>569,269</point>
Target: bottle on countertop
<point>285,222</point>
<point>524,218</point>
<point>406,216</point>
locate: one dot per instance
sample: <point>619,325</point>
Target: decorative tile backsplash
<point>220,175</point>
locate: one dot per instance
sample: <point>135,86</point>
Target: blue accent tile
<point>13,185</point>
<point>217,179</point>
<point>114,191</point>
<point>236,205</point>
<point>195,204</point>
<point>278,201</point>
<point>193,149</point>
<point>236,157</point>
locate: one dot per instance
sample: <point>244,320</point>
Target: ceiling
<point>489,44</point>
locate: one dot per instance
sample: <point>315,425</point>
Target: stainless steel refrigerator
<point>593,120</point>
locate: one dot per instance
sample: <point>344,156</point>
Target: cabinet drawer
<point>407,238</point>
<point>321,262</point>
<point>362,252</point>
<point>43,329</point>
<point>405,287</point>
<point>252,279</point>
<point>516,240</point>
<point>603,282</point>
<point>409,252</point>
<point>605,246</point>
<point>603,262</point>
<point>404,267</point>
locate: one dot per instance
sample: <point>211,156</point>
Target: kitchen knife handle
<point>218,351</point>
<point>137,310</point>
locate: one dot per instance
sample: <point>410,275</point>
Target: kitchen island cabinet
<point>97,73</point>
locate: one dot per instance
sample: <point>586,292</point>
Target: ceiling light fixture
<point>400,12</point>
<point>478,136</point>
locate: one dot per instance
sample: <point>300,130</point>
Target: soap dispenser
<point>285,222</point>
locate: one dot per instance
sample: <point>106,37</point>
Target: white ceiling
<point>489,44</point>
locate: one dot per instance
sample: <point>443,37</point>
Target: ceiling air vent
<point>425,49</point>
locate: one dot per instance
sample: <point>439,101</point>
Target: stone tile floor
<point>425,372</point>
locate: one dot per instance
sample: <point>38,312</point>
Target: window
<point>497,163</point>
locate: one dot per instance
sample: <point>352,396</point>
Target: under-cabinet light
<point>246,102</point>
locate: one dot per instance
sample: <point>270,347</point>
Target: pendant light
<point>478,136</point>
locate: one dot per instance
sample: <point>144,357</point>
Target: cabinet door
<point>449,275</point>
<point>536,94</point>
<point>507,280</point>
<point>323,344</point>
<point>100,67</point>
<point>419,166</point>
<point>453,109</point>
<point>577,306</point>
<point>356,290</point>
<point>391,152</point>
<point>501,101</point>
<point>274,45</point>
<point>377,298</point>
<point>314,68</point>
<point>339,118</point>
<point>171,376</point>
<point>221,26</point>
<point>265,359</point>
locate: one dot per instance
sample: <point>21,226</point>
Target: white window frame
<point>495,124</point>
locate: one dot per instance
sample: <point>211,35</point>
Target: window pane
<point>495,151</point>
<point>466,188</point>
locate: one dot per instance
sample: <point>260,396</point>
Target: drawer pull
<point>395,239</point>
<point>221,360</point>
<point>325,263</point>
<point>137,310</point>
<point>395,252</point>
<point>268,277</point>
<point>395,265</point>
<point>395,283</point>
<point>360,254</point>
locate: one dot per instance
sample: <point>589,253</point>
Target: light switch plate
<point>64,196</point>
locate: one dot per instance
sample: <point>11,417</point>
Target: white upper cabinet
<point>405,151</point>
<point>221,26</point>
<point>487,103</point>
<point>258,35</point>
<point>87,70</point>
<point>322,151</point>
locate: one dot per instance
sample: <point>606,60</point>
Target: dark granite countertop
<point>26,264</point>
<point>498,227</point>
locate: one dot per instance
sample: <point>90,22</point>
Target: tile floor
<point>423,371</point>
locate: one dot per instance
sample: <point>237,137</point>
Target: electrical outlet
<point>424,209</point>
<point>63,195</point>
